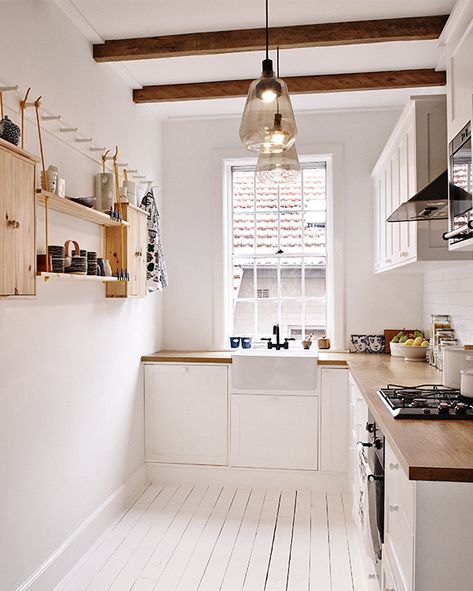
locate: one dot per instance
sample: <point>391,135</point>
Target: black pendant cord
<point>267,31</point>
<point>277,61</point>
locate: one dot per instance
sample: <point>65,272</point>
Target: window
<point>279,253</point>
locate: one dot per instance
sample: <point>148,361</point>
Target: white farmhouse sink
<point>269,371</point>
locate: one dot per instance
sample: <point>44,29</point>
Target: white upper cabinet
<point>458,41</point>
<point>415,154</point>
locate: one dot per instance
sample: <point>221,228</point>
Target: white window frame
<point>278,298</point>
<point>335,288</point>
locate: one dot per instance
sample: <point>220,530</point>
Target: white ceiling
<point>109,19</point>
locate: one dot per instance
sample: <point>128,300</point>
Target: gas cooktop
<point>426,401</point>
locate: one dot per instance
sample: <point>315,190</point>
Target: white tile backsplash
<point>450,291</point>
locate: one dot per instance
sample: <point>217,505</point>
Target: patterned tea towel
<point>156,273</point>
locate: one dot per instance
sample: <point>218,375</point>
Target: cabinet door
<point>377,227</point>
<point>141,246</point>
<point>380,222</point>
<point>186,414</point>
<point>388,197</point>
<point>274,431</point>
<point>460,85</point>
<point>17,232</point>
<point>132,218</point>
<point>137,247</point>
<point>333,420</point>
<point>411,244</point>
<point>395,203</point>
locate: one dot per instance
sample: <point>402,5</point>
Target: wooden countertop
<point>427,449</point>
<point>226,357</point>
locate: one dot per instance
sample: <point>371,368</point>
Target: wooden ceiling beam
<point>296,85</point>
<point>319,35</point>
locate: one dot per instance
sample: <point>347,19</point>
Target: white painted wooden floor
<point>189,538</point>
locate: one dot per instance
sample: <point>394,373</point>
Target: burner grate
<point>426,401</point>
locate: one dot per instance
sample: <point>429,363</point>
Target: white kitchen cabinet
<point>415,154</point>
<point>333,419</point>
<point>459,64</point>
<point>427,525</point>
<point>274,431</point>
<point>389,582</point>
<point>399,517</point>
<point>186,413</point>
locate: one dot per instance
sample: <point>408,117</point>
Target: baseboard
<point>245,477</point>
<point>55,568</point>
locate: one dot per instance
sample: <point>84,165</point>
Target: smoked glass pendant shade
<point>268,124</point>
<point>278,167</point>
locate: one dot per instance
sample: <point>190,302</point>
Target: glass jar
<point>443,344</point>
<point>439,322</point>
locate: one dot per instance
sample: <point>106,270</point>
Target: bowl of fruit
<point>411,346</point>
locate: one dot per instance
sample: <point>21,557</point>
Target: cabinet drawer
<point>399,487</point>
<point>391,580</point>
<point>399,538</point>
<point>274,431</point>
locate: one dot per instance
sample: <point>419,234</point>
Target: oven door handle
<point>374,477</point>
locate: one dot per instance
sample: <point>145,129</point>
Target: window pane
<point>267,278</point>
<point>315,314</point>
<point>243,278</point>
<point>291,318</point>
<point>291,278</point>
<point>243,191</point>
<point>267,317</point>
<point>314,188</point>
<point>315,282</point>
<point>290,196</point>
<point>244,323</point>
<point>266,196</point>
<point>266,233</point>
<point>291,232</point>
<point>243,233</point>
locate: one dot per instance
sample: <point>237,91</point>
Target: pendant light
<point>278,167</point>
<point>268,123</point>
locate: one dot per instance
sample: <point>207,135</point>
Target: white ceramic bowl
<point>409,353</point>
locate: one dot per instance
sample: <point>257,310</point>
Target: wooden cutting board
<point>389,334</point>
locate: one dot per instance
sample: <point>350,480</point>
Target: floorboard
<point>199,538</point>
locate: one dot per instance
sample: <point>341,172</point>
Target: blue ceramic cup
<point>234,342</point>
<point>245,342</point>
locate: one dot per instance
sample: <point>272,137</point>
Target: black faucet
<point>277,345</point>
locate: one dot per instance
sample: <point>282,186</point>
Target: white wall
<point>193,227</point>
<point>449,291</point>
<point>71,424</point>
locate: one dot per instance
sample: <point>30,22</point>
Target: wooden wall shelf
<point>76,210</point>
<point>76,277</point>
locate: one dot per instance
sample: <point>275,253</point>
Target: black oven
<point>460,188</point>
<point>374,532</point>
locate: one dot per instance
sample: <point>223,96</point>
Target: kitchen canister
<point>52,177</point>
<point>128,192</point>
<point>454,360</point>
<point>104,191</point>
<point>466,383</point>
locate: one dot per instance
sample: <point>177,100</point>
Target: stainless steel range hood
<point>431,203</point>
